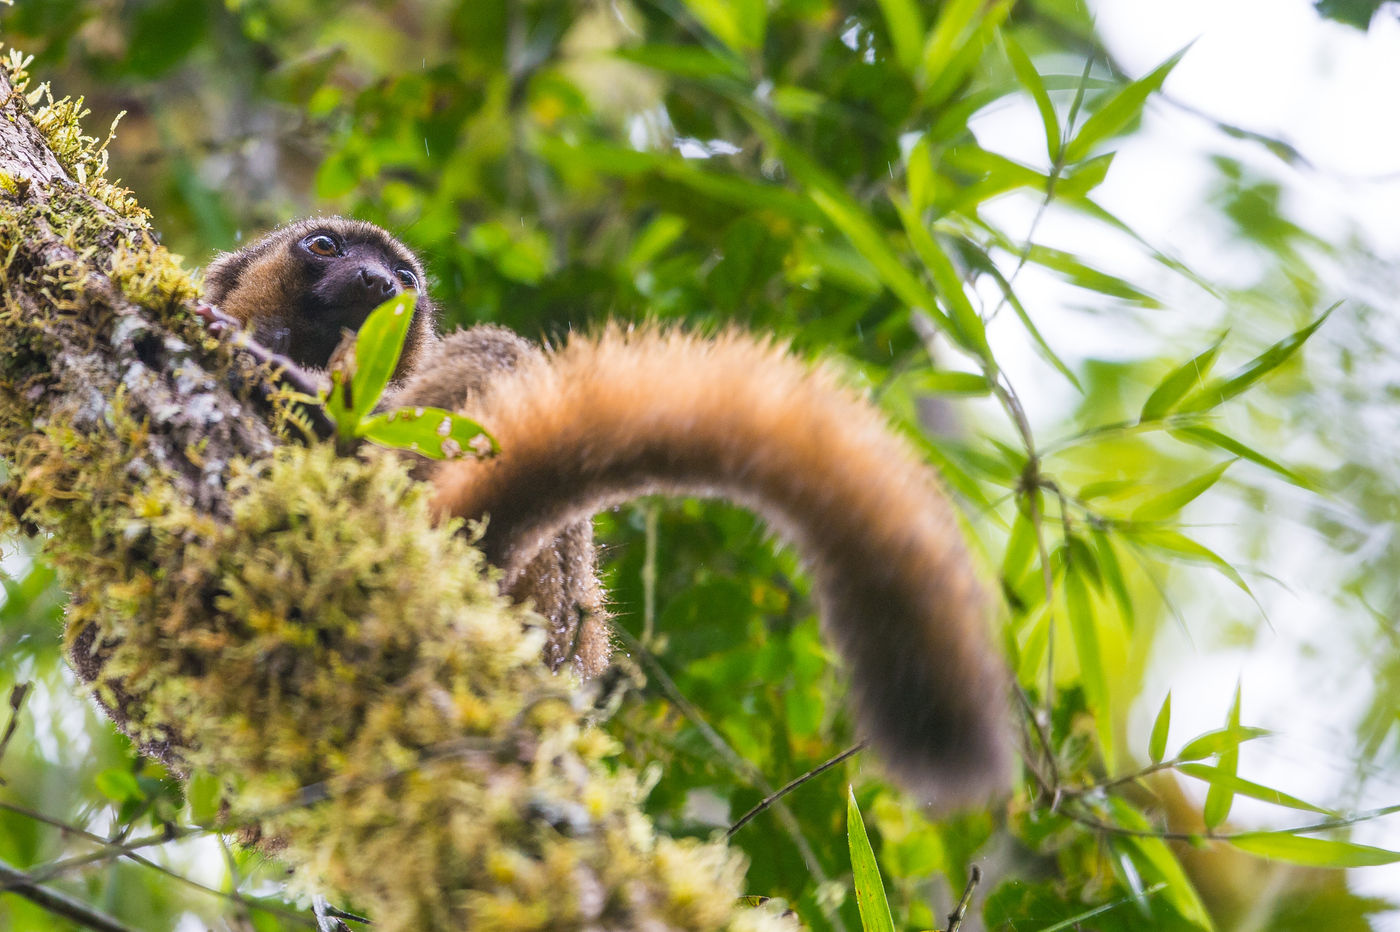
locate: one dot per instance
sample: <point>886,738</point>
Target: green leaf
<point>1221,794</point>
<point>377,348</point>
<point>1214,742</point>
<point>905,26</point>
<point>1108,488</point>
<point>1120,110</point>
<point>1157,744</point>
<point>954,18</point>
<point>119,785</point>
<point>952,52</point>
<point>870,891</point>
<point>435,433</point>
<point>1312,852</point>
<point>1178,382</point>
<point>1169,503</point>
<point>1220,797</point>
<point>1158,863</point>
<point>868,239</point>
<point>1029,78</point>
<point>204,794</point>
<point>1209,436</point>
<point>1112,574</point>
<point>968,328</point>
<point>687,61</point>
<point>1079,273</point>
<point>919,175</point>
<point>1179,545</point>
<point>625,162</point>
<point>1079,608</point>
<point>739,24</point>
<point>953,383</point>
<point>1019,548</point>
<point>1223,390</point>
<point>1085,177</point>
<point>1218,777</point>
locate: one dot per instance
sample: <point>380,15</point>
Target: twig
<point>955,918</point>
<point>17,696</point>
<point>13,880</point>
<point>792,785</point>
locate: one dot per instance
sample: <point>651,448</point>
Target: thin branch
<point>955,918</point>
<point>17,696</point>
<point>13,880</point>
<point>792,785</point>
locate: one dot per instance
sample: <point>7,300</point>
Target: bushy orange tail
<point>629,413</point>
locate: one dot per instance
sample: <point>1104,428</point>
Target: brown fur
<point>561,579</point>
<point>629,413</point>
<point>604,420</point>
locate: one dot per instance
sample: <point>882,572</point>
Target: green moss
<point>83,157</point>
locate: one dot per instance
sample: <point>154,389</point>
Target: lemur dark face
<point>300,287</point>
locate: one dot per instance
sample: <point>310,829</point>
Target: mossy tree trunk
<point>287,621</point>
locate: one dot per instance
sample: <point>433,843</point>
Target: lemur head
<point>299,287</point>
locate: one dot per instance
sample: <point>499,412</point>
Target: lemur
<point>628,412</point>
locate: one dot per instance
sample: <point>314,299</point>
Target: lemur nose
<point>378,284</point>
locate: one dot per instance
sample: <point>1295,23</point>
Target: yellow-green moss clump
<point>292,622</point>
<point>356,650</point>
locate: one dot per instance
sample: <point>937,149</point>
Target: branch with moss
<point>289,621</point>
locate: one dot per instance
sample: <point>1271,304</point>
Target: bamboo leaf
<point>1214,742</point>
<point>1079,608</point>
<point>1179,545</point>
<point>739,24</point>
<point>905,26</point>
<point>1029,78</point>
<point>1223,390</point>
<point>1211,437</point>
<point>870,891</point>
<point>1085,177</point>
<point>1157,744</point>
<point>687,61</point>
<point>946,72</point>
<point>1019,548</point>
<point>954,383</point>
<point>970,332</point>
<point>1158,863</point>
<point>1178,382</point>
<point>1112,573</point>
<point>1220,797</point>
<point>1120,110</point>
<point>1108,488</point>
<point>1169,503</point>
<point>1313,852</point>
<point>870,242</point>
<point>1217,777</point>
<point>1085,276</point>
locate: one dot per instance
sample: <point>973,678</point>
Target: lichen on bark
<point>287,620</point>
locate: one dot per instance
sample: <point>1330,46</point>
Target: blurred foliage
<point>822,170</point>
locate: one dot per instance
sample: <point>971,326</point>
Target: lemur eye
<point>407,279</point>
<point>321,244</point>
